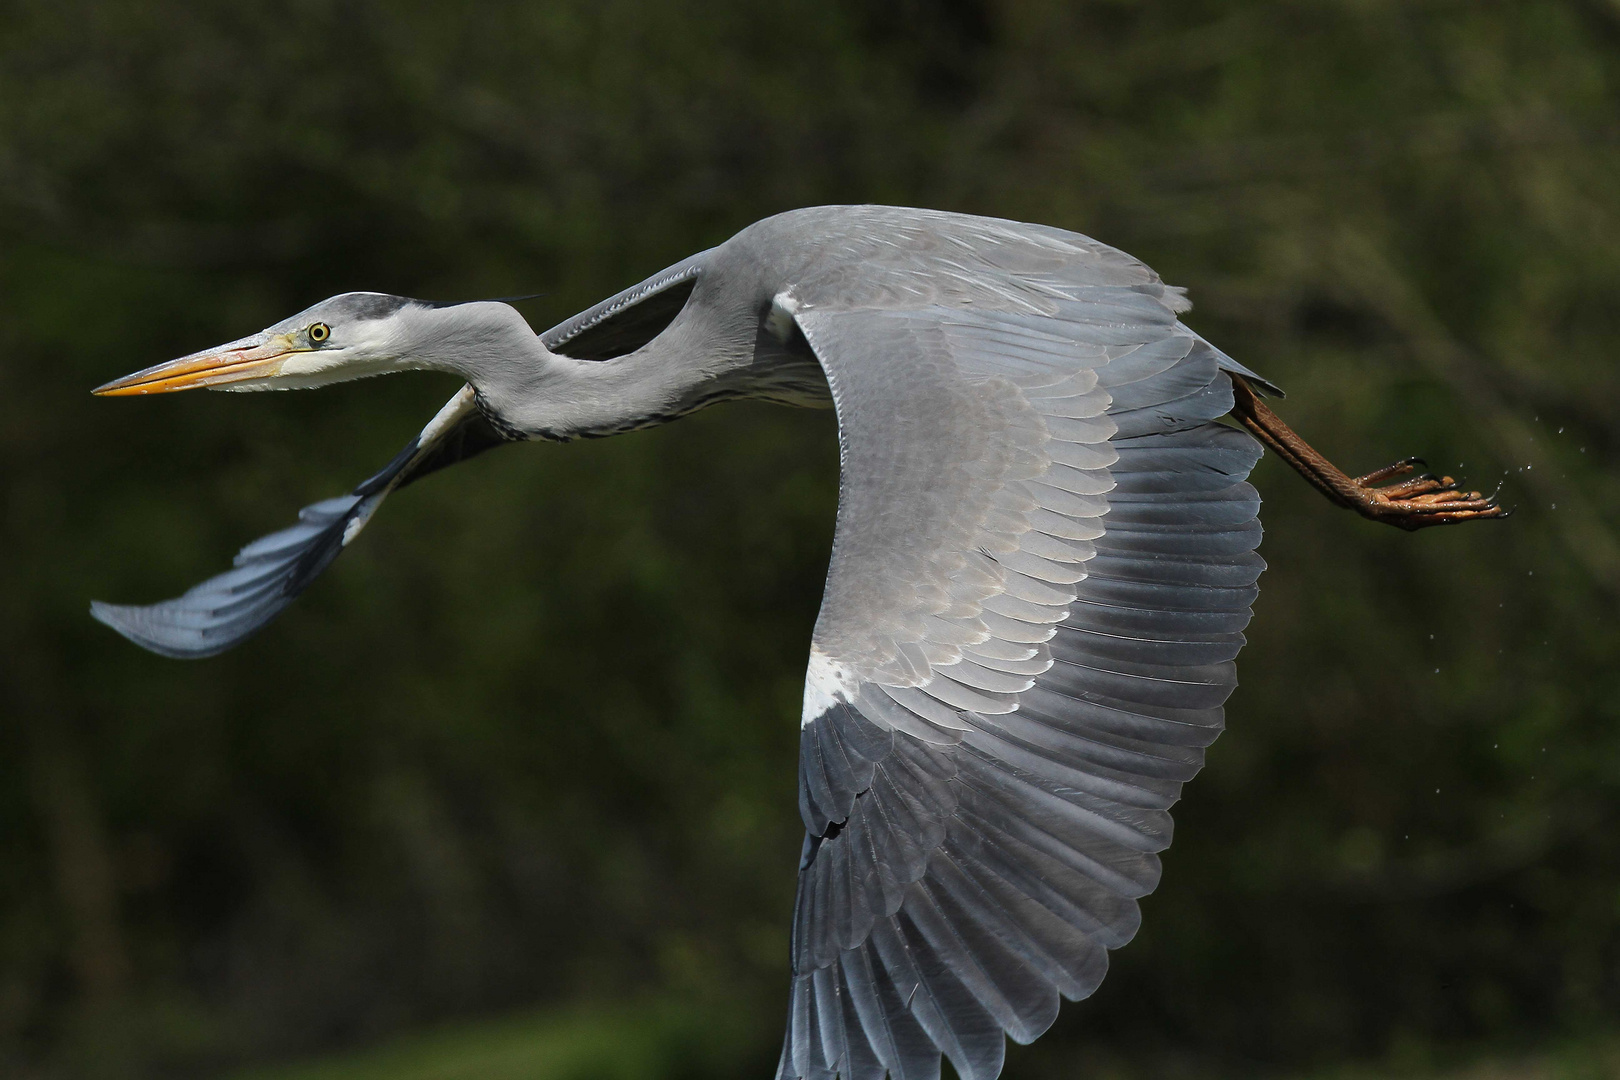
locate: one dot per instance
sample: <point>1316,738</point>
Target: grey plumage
<point>1044,560</point>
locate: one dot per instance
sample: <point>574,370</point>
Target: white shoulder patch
<point>465,401</point>
<point>361,519</point>
<point>784,305</point>
<point>826,683</point>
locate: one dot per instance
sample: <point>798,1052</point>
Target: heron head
<point>349,336</point>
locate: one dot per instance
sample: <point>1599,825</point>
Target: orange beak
<point>250,359</point>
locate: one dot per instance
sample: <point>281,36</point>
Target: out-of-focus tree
<point>533,740</point>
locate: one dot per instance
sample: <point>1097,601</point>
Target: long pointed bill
<point>250,359</point>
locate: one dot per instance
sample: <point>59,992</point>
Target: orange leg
<point>1411,504</point>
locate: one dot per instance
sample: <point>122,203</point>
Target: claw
<point>1421,501</point>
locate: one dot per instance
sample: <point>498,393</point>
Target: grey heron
<point>1043,562</point>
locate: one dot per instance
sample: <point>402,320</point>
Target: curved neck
<point>563,398</point>
<point>527,388</point>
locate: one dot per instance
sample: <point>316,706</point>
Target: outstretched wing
<point>1043,564</point>
<point>271,572</point>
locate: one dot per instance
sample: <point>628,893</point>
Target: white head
<point>351,336</point>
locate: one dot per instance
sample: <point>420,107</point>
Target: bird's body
<point>735,332</point>
<point>1044,560</point>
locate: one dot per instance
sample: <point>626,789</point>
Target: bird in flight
<point>1043,563</point>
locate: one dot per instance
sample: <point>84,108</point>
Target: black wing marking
<point>470,436</point>
<point>271,572</point>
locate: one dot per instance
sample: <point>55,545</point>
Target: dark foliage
<point>534,738</point>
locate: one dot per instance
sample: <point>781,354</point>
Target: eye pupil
<point>319,332</point>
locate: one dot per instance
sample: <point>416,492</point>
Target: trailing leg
<point>1410,504</point>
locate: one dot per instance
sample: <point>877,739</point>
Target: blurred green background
<point>518,773</point>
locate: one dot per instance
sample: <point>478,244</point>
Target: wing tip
<point>136,624</point>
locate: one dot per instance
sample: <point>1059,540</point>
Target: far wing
<point>271,572</point>
<point>1043,563</point>
<point>626,321</point>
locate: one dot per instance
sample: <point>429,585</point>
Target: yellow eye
<point>319,332</point>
